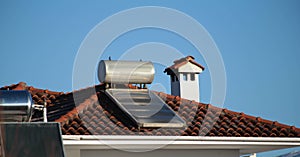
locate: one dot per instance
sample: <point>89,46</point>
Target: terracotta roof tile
<point>96,114</point>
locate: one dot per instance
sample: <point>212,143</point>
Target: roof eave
<point>246,145</point>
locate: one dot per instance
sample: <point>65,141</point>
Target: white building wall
<point>160,153</point>
<point>72,152</point>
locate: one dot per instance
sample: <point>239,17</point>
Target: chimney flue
<point>184,79</point>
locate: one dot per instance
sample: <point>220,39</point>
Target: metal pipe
<point>45,111</point>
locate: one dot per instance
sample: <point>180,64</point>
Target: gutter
<point>246,145</point>
<point>180,138</point>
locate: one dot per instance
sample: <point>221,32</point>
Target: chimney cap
<point>180,62</point>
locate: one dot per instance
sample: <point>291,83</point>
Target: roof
<point>180,62</point>
<point>96,114</point>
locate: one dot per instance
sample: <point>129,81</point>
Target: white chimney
<point>184,78</point>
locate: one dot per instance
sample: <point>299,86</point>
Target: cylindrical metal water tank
<point>131,72</point>
<point>15,105</point>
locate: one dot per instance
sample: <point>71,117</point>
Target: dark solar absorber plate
<point>31,140</point>
<point>145,108</point>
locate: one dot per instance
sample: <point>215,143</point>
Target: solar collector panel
<point>31,139</point>
<point>145,108</point>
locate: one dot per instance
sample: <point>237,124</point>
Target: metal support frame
<point>41,108</point>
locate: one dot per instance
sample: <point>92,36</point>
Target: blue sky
<point>258,40</point>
